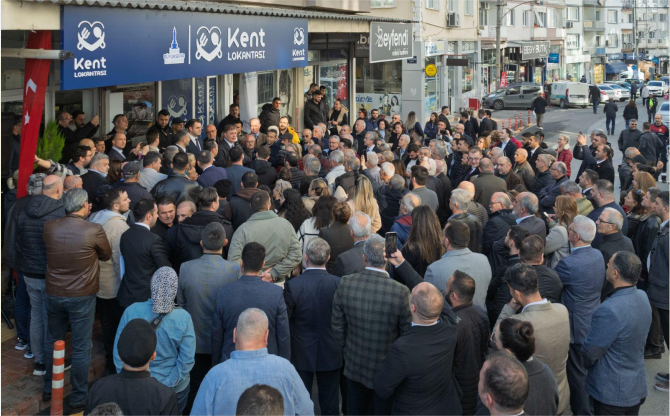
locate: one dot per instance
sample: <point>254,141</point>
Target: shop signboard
<point>553,58</point>
<point>127,46</point>
<point>387,103</point>
<point>390,41</point>
<point>534,50</point>
<point>434,48</point>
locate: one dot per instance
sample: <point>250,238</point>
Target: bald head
<point>52,186</point>
<point>469,187</point>
<point>72,182</point>
<point>520,155</point>
<point>426,303</point>
<point>251,332</point>
<point>485,165</point>
<point>87,142</point>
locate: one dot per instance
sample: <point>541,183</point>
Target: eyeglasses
<point>492,204</point>
<point>474,159</point>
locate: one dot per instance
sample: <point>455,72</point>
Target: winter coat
<point>342,118</point>
<point>30,246</point>
<point>402,226</point>
<point>497,295</point>
<point>238,210</point>
<point>650,146</point>
<point>629,112</point>
<point>658,271</point>
<point>430,130</point>
<point>629,138</point>
<point>565,156</point>
<point>313,115</point>
<point>496,228</point>
<point>610,109</point>
<point>114,224</point>
<point>539,105</point>
<point>268,117</point>
<point>189,234</point>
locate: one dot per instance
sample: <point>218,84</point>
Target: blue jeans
<point>627,121</point>
<point>611,121</point>
<point>80,311</point>
<point>595,106</point>
<point>38,316</point>
<point>22,308</point>
<point>182,398</point>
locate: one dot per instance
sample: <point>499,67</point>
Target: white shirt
<point>374,269</point>
<point>314,268</point>
<point>195,140</point>
<point>539,302</point>
<point>434,323</point>
<point>143,225</point>
<point>518,220</point>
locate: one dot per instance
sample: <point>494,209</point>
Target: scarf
<point>164,290</point>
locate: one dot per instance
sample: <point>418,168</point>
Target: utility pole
<point>637,57</point>
<point>499,16</point>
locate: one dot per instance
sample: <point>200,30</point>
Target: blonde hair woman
<point>317,188</point>
<point>557,245</point>
<point>364,200</point>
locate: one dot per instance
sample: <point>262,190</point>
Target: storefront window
<point>379,86</point>
<point>139,104</point>
<point>177,98</point>
<point>334,78</point>
<point>468,74</point>
<point>431,91</point>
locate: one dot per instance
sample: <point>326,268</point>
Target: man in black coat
<point>131,176</point>
<point>532,145</point>
<point>581,151</point>
<point>143,253</point>
<point>485,123</point>
<point>72,138</point>
<point>270,115</point>
<point>177,185</point>
<point>309,305</point>
<point>609,225</point>
<point>229,120</point>
<point>500,220</point>
<point>95,178</point>
<point>543,175</point>
<point>351,261</point>
<point>498,294</point>
<point>313,111</point>
<point>531,251</point>
<point>550,192</point>
<point>414,368</point>
<point>603,198</point>
<point>506,144</point>
<point>162,126</point>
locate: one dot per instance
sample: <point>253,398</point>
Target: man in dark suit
<point>177,185</point>
<point>583,276</point>
<point>508,146</point>
<point>95,178</point>
<point>474,157</point>
<point>581,150</point>
<point>532,145</point>
<point>602,195</point>
<point>525,208</point>
<point>194,129</point>
<point>351,261</point>
<point>601,162</point>
<point>366,328</point>
<point>118,144</point>
<point>210,174</point>
<point>227,141</point>
<point>413,371</point>
<point>309,304</point>
<point>500,220</point>
<point>143,253</point>
<point>485,123</point>
<point>249,291</point>
<point>550,192</point>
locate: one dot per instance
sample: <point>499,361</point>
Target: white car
<point>664,111</point>
<point>625,94</point>
<point>657,88</point>
<point>610,92</point>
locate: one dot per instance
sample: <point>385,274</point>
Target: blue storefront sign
<point>553,58</point>
<point>126,46</point>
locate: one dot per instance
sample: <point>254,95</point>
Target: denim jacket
<point>175,344</point>
<point>613,350</point>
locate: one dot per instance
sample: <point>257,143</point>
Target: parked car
<point>665,79</point>
<point>612,93</point>
<point>636,81</point>
<point>513,96</point>
<point>665,112</point>
<point>657,88</point>
<point>623,84</point>
<point>625,94</point>
<point>569,94</point>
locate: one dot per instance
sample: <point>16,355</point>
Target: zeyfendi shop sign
<point>390,41</point>
<point>125,46</point>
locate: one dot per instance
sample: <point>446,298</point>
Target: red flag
<point>34,91</point>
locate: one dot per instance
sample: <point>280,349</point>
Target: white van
<point>569,94</point>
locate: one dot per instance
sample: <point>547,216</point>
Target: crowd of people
<point>230,272</point>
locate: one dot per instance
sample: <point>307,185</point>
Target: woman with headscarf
<point>175,349</point>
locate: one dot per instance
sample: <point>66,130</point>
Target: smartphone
<point>546,215</point>
<point>391,243</point>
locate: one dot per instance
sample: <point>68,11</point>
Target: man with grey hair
<point>583,276</point>
<point>336,158</point>
<point>609,225</point>
<point>459,204</point>
<point>403,223</point>
<point>347,180</point>
<point>95,178</point>
<point>500,220</point>
<point>495,154</point>
<point>543,177</point>
<point>401,152</point>
<point>351,261</point>
<point>549,193</point>
<point>314,349</point>
<point>525,208</point>
<point>182,140</point>
<point>251,364</point>
<point>602,197</point>
<point>371,163</point>
<point>571,189</point>
<point>71,288</point>
<point>311,168</point>
<point>360,319</point>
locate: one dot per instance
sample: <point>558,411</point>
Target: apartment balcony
<point>489,32</point>
<point>538,33</point>
<point>627,47</point>
<point>627,5</point>
<point>593,26</point>
<point>599,3</point>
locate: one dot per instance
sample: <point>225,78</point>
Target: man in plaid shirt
<point>370,311</point>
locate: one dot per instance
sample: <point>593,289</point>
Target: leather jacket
<point>177,186</point>
<point>74,248</point>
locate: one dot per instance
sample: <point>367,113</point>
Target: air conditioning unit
<point>453,20</point>
<point>569,25</point>
<point>486,6</point>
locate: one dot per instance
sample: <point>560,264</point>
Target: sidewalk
<point>22,391</point>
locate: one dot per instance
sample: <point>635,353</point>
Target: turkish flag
<point>34,91</point>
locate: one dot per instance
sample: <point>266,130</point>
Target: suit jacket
<point>351,261</point>
<point>496,228</point>
<point>195,146</point>
<point>474,264</point>
<point>415,372</point>
<point>509,150</point>
<point>593,215</point>
<point>485,125</point>
<point>549,194</point>
<point>236,297</point>
<point>475,227</point>
<point>309,304</point>
<point>337,235</point>
<point>211,175</point>
<point>366,327</point>
<point>551,326</point>
<point>535,226</point>
<point>532,158</point>
<point>605,168</point>
<point>486,185</point>
<point>143,253</point>
<point>91,181</point>
<point>116,155</point>
<point>581,291</point>
<point>613,350</point>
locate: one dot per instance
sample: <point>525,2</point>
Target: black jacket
<point>351,261</point>
<point>346,181</point>
<point>313,115</point>
<point>444,212</point>
<point>496,228</point>
<point>30,246</point>
<point>296,177</point>
<point>455,167</point>
<point>610,109</point>
<point>339,239</point>
<point>189,234</point>
<point>309,305</point>
<point>497,294</point>
<point>470,130</point>
<point>549,283</point>
<point>475,227</point>
<point>609,245</point>
<point>509,150</point>
<point>413,372</point>
<point>389,205</point>
<point>136,393</point>
<point>629,138</point>
<point>177,186</point>
<point>135,192</point>
<point>485,125</point>
<point>91,181</point>
<point>72,139</point>
<point>165,136</point>
<point>268,117</point>
<point>229,119</point>
<point>650,146</point>
<point>539,105</point>
<point>267,175</point>
<point>643,239</point>
<point>143,253</point>
<point>238,210</point>
<point>549,193</point>
<point>630,113</point>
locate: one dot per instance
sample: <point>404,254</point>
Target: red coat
<point>565,156</point>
